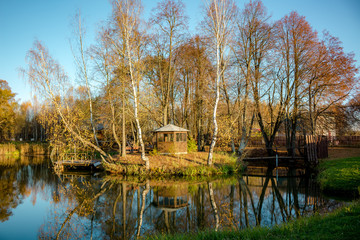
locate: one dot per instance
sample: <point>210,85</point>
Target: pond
<point>36,203</point>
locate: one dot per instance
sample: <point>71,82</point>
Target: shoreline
<point>343,223</point>
<point>187,165</point>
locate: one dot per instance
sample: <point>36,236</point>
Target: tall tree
<point>127,32</point>
<point>296,43</point>
<point>252,41</point>
<point>218,25</point>
<point>171,23</point>
<point>193,71</point>
<point>7,111</point>
<point>49,79</point>
<point>331,78</point>
<point>80,57</point>
<point>106,65</point>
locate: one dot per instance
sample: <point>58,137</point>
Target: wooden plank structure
<point>311,148</point>
<point>322,147</point>
<point>76,160</point>
<point>315,147</point>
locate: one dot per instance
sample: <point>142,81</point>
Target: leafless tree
<point>218,25</point>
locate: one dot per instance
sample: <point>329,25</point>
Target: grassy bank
<point>17,149</point>
<point>192,164</point>
<point>340,176</point>
<point>344,223</point>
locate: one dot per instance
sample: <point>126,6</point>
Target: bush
<point>154,152</point>
<point>191,145</point>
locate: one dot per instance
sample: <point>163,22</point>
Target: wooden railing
<point>75,157</point>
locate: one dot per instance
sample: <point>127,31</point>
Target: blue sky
<point>23,21</point>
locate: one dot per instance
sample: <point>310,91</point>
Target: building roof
<point>171,128</point>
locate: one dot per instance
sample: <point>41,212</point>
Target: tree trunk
<point>123,143</point>
<point>214,137</point>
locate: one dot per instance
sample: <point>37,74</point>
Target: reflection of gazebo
<point>171,198</point>
<point>171,139</point>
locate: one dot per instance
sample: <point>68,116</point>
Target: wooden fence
<point>310,147</point>
<point>349,141</point>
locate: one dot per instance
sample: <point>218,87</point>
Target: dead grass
<point>173,163</point>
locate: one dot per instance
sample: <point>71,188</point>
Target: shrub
<point>154,152</point>
<point>191,145</point>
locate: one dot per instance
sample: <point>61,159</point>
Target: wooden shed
<point>171,139</point>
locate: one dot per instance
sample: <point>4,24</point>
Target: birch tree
<point>80,57</point>
<point>127,32</point>
<point>106,62</point>
<point>50,81</point>
<point>218,25</point>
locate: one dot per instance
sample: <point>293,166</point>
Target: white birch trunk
<point>133,84</point>
<point>214,137</point>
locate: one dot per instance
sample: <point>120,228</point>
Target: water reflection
<point>19,178</point>
<point>104,207</point>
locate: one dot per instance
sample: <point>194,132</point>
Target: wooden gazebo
<point>171,139</point>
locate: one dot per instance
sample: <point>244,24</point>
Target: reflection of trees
<point>77,209</point>
<point>96,209</point>
<point>213,205</point>
<point>10,194</point>
<point>199,200</point>
<point>143,201</point>
<point>121,209</point>
<point>287,198</point>
<point>19,180</point>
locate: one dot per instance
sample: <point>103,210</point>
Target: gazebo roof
<point>171,128</point>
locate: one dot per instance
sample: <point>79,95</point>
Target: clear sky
<point>23,21</point>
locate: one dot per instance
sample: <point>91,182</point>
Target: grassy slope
<point>340,176</point>
<point>192,164</point>
<point>344,223</point>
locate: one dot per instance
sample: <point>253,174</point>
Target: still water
<point>36,203</point>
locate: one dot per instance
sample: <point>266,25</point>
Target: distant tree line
<point>19,121</point>
<point>240,71</point>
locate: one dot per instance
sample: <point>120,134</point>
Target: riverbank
<point>17,149</point>
<point>191,164</point>
<point>343,223</point>
<point>340,176</point>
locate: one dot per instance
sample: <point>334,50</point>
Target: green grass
<point>340,176</point>
<point>344,223</point>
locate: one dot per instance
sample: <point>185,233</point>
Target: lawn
<point>340,176</point>
<point>343,223</point>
